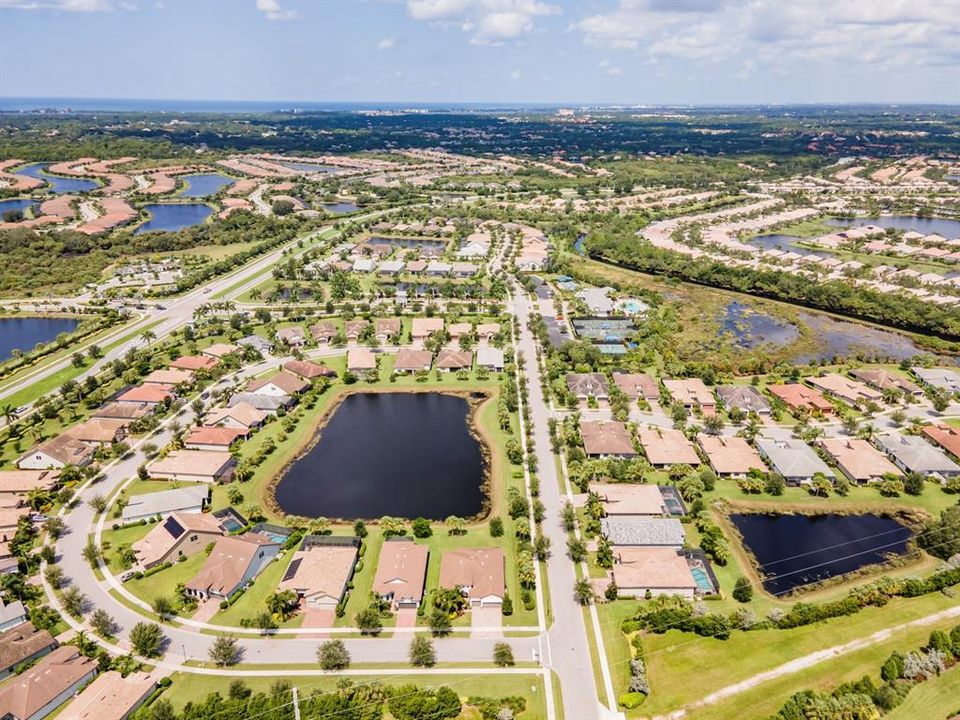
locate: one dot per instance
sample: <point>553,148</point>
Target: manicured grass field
<point>164,583</point>
<point>193,688</point>
<point>254,600</point>
<point>935,699</point>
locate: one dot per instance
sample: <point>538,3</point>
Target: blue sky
<point>591,51</point>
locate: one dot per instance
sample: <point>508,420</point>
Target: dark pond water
<point>399,454</point>
<point>750,329</point>
<point>788,243</point>
<point>205,184</point>
<point>17,204</point>
<point>24,333</point>
<point>310,167</point>
<point>340,208</point>
<point>174,217</point>
<point>842,338</point>
<point>949,229</point>
<point>797,550</point>
<point>406,242</point>
<point>57,183</point>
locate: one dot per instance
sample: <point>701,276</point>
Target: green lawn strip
<point>594,653</point>
<point>615,642</point>
<point>935,699</point>
<point>112,540</point>
<point>718,663</point>
<point>363,580</point>
<point>164,583</point>
<point>189,687</point>
<point>766,698</point>
<point>254,600</point>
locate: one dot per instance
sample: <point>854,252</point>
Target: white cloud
<point>489,22</point>
<point>88,6</point>
<point>781,34</point>
<point>386,43</point>
<point>516,75</point>
<point>611,69</point>
<point>273,10</point>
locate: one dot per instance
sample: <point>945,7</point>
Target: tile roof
<point>401,570</point>
<point>110,697</point>
<point>27,694</point>
<point>630,498</point>
<point>631,530</point>
<point>287,382</point>
<point>228,562</point>
<point>606,437</point>
<point>23,641</point>
<point>667,446</point>
<point>480,569</point>
<point>730,455</point>
<point>652,567</point>
<point>858,459</point>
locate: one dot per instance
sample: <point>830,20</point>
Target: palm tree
<point>583,591</point>
<point>9,413</point>
<point>148,336</point>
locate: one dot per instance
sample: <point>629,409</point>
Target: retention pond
<point>797,550</point>
<point>24,333</point>
<point>398,454</point>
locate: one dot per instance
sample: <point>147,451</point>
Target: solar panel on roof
<point>292,570</point>
<point>173,527</point>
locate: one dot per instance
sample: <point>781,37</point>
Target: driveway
<point>490,617</point>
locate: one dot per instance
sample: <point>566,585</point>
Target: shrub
<point>743,590</point>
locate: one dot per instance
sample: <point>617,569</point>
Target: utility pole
<point>296,705</point>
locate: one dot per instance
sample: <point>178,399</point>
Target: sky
<point>505,51</point>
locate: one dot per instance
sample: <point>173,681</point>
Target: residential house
<point>793,459</point>
<point>912,453</point>
<point>23,643</point>
<point>9,563</point>
<point>799,397</point>
<point>219,350</point>
<point>642,571</point>
<point>234,561</point>
<point>449,360</point>
<point>99,431</point>
<point>387,329</point>
<point>631,530</point>
<point>364,265</point>
<point>124,411</point>
<point>945,436</point>
<point>665,447</point>
<point>464,269</point>
<point>401,572</point>
<point>422,328</point>
<point>606,438</point>
<point>477,572</point>
<point>12,614</point>
<point>211,437</point>
<point>490,358</point>
<point>415,267</point>
<point>263,403</point>
<point>10,521</point>
<point>293,337</point>
<point>860,461</point>
<point>746,398</point>
<point>323,332</point>
<point>586,385</point>
<point>391,267</point>
<point>939,378</point>
<point>209,466</point>
<point>170,376</point>
<point>361,360</point>
<point>308,370</point>
<point>241,416</point>
<point>194,363</point>
<point>597,300</point>
<point>353,329</point>
<point>57,453</point>
<point>487,331</point>
<point>260,344</point>
<point>881,380</point>
<point>47,685</point>
<point>730,456</point>
<point>179,535</point>
<point>457,329</point>
<point>277,385</point>
<point>637,385</point>
<point>692,394</point>
<point>436,268</point>
<point>843,388</point>
<point>23,482</point>
<point>151,395</point>
<point>111,697</point>
<point>320,570</point>
<point>190,499</point>
<point>630,498</point>
<point>410,361</point>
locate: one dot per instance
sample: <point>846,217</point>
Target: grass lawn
<point>193,688</point>
<point>112,540</point>
<point>164,583</point>
<point>254,600</point>
<point>767,697</point>
<point>718,663</point>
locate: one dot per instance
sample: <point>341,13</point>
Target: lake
<point>750,329</point>
<point>405,242</point>
<point>340,208</point>
<point>310,168</point>
<point>797,550</point>
<point>16,204</point>
<point>205,184</point>
<point>949,229</point>
<point>777,241</point>
<point>398,454</point>
<point>173,217</point>
<point>57,184</point>
<point>24,333</point>
<point>843,338</point>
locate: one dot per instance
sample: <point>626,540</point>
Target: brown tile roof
<point>99,430</point>
<point>690,391</point>
<point>635,385</point>
<point>858,458</point>
<point>402,570</point>
<point>243,413</point>
<point>411,360</point>
<point>194,362</point>
<point>387,326</point>
<point>454,359</point>
<point>730,455</point>
<point>603,437</point>
<point>652,567</point>
<point>165,536</point>
<point>190,462</point>
<point>152,393</point>
<point>21,642</point>
<point>322,570</point>
<point>946,437</point>
<point>23,481</point>
<point>586,384</point>
<point>287,382</point>
<point>228,562</point>
<point>480,569</point>
<point>852,391</point>
<point>629,498</point>
<point>353,328</point>
<point>64,449</point>
<point>110,697</point>
<point>307,369</point>
<point>798,396</point>
<point>424,327</point>
<point>218,436</point>
<point>39,686</point>
<point>323,330</point>
<point>219,350</point>
<point>129,411</point>
<point>666,446</point>
<point>169,377</point>
<point>883,379</point>
<point>361,359</point>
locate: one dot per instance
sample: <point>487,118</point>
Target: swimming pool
<point>702,580</point>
